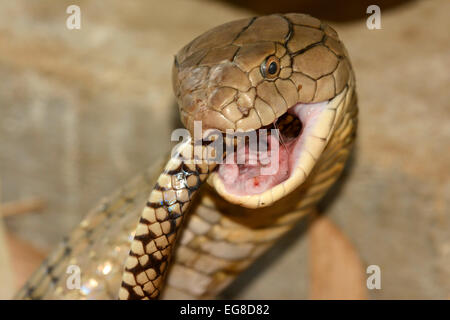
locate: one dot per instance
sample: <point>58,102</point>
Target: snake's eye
<point>271,67</point>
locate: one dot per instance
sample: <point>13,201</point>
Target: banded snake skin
<point>190,239</point>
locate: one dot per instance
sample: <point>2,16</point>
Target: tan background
<point>83,111</point>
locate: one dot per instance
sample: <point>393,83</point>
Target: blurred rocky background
<point>83,111</point>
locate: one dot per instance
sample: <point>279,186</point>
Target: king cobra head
<point>287,73</point>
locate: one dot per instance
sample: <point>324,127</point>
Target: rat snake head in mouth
<point>289,72</point>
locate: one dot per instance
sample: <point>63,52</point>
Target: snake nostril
<point>243,110</point>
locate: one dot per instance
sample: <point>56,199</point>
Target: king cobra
<point>189,239</point>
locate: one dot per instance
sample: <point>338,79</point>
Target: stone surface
<point>81,112</point>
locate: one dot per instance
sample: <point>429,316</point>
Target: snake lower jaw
<point>255,185</point>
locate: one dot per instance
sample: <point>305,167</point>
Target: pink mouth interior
<point>253,176</point>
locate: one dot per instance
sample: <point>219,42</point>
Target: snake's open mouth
<point>267,176</point>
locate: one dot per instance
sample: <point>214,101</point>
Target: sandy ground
<point>81,112</point>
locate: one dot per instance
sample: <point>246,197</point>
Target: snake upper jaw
<point>244,185</point>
